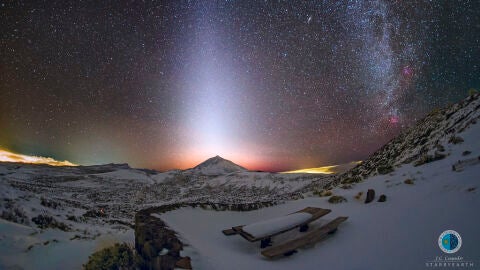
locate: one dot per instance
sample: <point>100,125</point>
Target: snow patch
<point>271,226</point>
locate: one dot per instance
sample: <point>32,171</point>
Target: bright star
<point>309,19</point>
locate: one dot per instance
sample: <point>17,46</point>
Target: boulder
<point>370,196</point>
<point>382,198</point>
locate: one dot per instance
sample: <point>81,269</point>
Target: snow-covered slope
<point>216,166</point>
<point>429,140</point>
<point>401,233</point>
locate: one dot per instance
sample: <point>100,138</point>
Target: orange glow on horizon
<point>192,161</point>
<point>192,157</point>
<point>322,170</point>
<point>7,156</point>
<point>326,169</point>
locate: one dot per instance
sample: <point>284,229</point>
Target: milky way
<point>272,85</point>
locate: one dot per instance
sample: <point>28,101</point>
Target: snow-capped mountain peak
<point>217,165</point>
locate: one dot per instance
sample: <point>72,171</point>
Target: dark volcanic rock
<point>151,237</point>
<point>382,198</point>
<point>370,196</point>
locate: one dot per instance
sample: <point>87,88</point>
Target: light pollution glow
<point>333,169</point>
<point>7,156</point>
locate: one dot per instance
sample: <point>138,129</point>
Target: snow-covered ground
<point>23,247</point>
<point>401,233</point>
<point>98,203</point>
<point>270,226</point>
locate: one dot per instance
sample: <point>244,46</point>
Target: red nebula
<point>393,119</point>
<point>407,71</point>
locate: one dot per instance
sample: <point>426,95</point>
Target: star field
<point>271,85</point>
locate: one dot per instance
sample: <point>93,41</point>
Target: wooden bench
<point>289,247</point>
<point>266,239</point>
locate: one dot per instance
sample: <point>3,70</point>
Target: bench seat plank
<point>229,232</point>
<point>311,237</point>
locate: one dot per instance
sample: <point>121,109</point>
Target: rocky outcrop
<point>370,196</point>
<point>152,236</point>
<point>383,198</point>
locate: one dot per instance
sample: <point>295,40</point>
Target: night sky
<point>270,85</point>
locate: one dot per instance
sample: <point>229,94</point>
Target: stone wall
<point>159,247</point>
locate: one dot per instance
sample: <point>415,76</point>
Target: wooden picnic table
<point>314,236</point>
<point>265,238</point>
